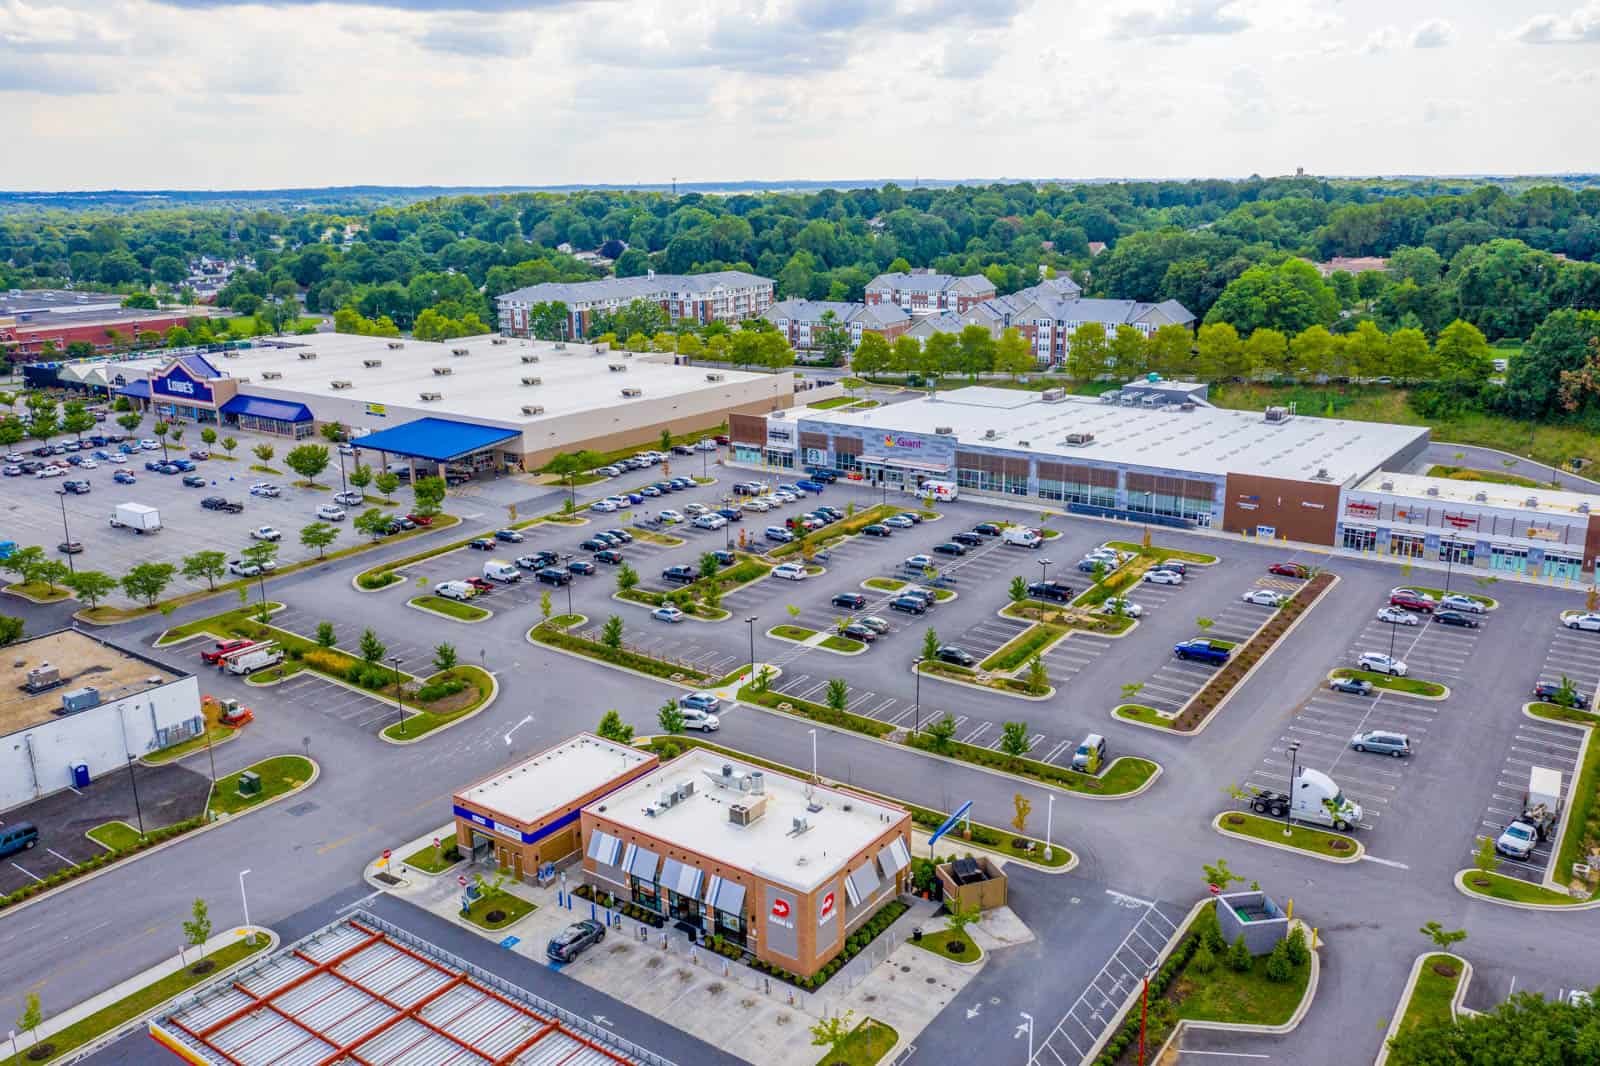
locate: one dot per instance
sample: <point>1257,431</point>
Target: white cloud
<point>1436,112</point>
<point>1179,20</point>
<point>1435,33</point>
<point>1382,39</point>
<point>1580,27</point>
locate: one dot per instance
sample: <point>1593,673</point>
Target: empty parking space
<point>361,710</point>
<point>1575,656</point>
<point>1548,745</point>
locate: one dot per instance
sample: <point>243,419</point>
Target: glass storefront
<point>1461,553</point>
<point>1410,545</point>
<point>985,481</point>
<point>1360,540</point>
<point>1169,504</point>
<point>748,453</point>
<point>1562,567</point>
<point>646,893</point>
<point>295,430</point>
<point>1514,560</point>
<point>779,458</point>
<point>731,926</point>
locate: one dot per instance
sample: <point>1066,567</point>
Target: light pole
<point>342,486</point>
<point>751,621</point>
<point>1027,1023</point>
<point>1049,820</point>
<point>566,561</point>
<point>814,776</point>
<point>1288,810</point>
<point>244,902</point>
<point>138,810</point>
<point>1392,627</point>
<point>916,704</point>
<point>65,532</point>
<point>1449,564</point>
<point>399,698</point>
<point>1044,571</point>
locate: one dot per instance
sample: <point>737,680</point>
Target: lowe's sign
<point>179,383</point>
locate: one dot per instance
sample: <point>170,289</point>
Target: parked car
<point>1264,597</point>
<point>621,536</point>
<point>1299,570</point>
<point>199,453</point>
<point>1053,591</point>
<point>348,498</point>
<point>1163,577</point>
<point>1174,565</point>
<point>949,547</point>
<point>214,654</point>
<point>70,547</point>
<point>1412,601</point>
<point>603,506</point>
<point>1590,622</point>
<point>1356,686</point>
<point>879,626</point>
<point>49,471</point>
<point>580,566</point>
<point>11,470</point>
<point>1383,742</point>
<point>680,574</point>
<point>877,530</point>
<point>482,584</point>
<point>857,631</point>
<point>986,529</point>
<point>1209,651</point>
<point>455,590</point>
<point>810,485</point>
<point>243,569</point>
<point>667,613</point>
<point>671,516</point>
<point>481,544</point>
<point>1554,692</point>
<point>183,464</point>
<point>909,604</point>
<point>853,601</point>
<point>898,521</point>
<point>1397,616</point>
<point>537,561</point>
<point>705,721</point>
<point>267,533</point>
<point>779,535</point>
<point>124,477</point>
<point>510,536</point>
<point>194,481</point>
<point>330,513</point>
<point>574,940</point>
<point>790,572</point>
<point>1454,602</point>
<point>951,653</point>
<point>917,563</point>
<point>700,701</point>
<point>1379,663</point>
<point>710,521</point>
<point>732,514</point>
<point>1121,605</point>
<point>610,556</point>
<point>1457,618</point>
<point>264,490</point>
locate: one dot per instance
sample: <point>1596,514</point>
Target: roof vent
<point>715,377</point>
<point>497,340</point>
<point>617,368</point>
<point>308,355</point>
<point>530,359</point>
<point>1433,490</point>
<point>339,384</point>
<point>442,371</point>
<point>1024,443</point>
<point>561,346</point>
<point>1079,440</point>
<point>1582,507</point>
<point>944,431</point>
<point>372,364</point>
<point>632,393</point>
<point>1322,472</point>
<point>1053,395</point>
<point>602,348</point>
<point>1531,501</point>
<point>1276,414</point>
<point>429,397</point>
<point>460,351</point>
<point>1187,405</point>
<point>1386,486</point>
<point>991,434</point>
<point>533,381</point>
<point>1480,497</point>
<point>271,375</point>
<point>395,346</point>
<point>532,409</point>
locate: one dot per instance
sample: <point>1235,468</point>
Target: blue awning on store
<point>139,390</point>
<point>436,439</point>
<point>260,407</point>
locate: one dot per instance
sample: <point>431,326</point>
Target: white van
<point>455,590</point>
<point>940,490</point>
<point>502,572</point>
<point>1021,537</point>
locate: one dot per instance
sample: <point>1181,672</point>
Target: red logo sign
<point>1460,521</point>
<point>1357,507</point>
<point>780,908</point>
<point>826,910</point>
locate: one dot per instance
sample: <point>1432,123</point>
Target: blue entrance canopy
<point>260,407</point>
<point>436,439</point>
<point>139,390</point>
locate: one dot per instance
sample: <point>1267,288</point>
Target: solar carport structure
<point>363,991</point>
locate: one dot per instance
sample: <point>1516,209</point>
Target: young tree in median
<point>1486,859</point>
<point>75,418</point>
<point>11,629</point>
<point>1444,939</point>
<point>42,418</point>
<point>197,930</point>
<point>130,422</point>
<point>263,553</point>
<point>941,732</point>
<point>229,445</point>
<point>319,535</point>
<point>25,563</point>
<point>1023,807</point>
<point>545,605</point>
<point>372,522</point>
<point>709,565</point>
<point>930,644</point>
<point>264,452</point>
<point>1014,739</point>
<point>444,658</point>
<point>148,581</point>
<point>32,1016</point>
<point>372,648</point>
<point>326,638</point>
<point>833,1033</point>
<point>428,496</point>
<point>612,727</point>
<point>611,633</point>
<point>627,577</point>
<point>90,585</point>
<point>308,460</point>
<point>1018,590</point>
<point>333,432</point>
<point>208,436</point>
<point>1038,676</point>
<point>838,697</point>
<point>1219,875</point>
<point>361,477</point>
<point>670,717</point>
<point>52,572</point>
<point>387,481</point>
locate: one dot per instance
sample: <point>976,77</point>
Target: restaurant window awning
<point>641,862</point>
<point>681,878</point>
<point>604,848</point>
<point>725,896</point>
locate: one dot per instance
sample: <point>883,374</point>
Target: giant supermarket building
<point>1156,452</point>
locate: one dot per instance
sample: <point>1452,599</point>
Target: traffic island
<point>1512,892</point>
<point>1142,715</point>
<point>1320,843</point>
<point>867,1045</point>
<point>454,610</point>
<point>497,910</point>
<point>619,657</point>
<point>1432,996</point>
<point>259,784</point>
<point>446,698</point>
<point>1400,686</point>
<point>949,943</point>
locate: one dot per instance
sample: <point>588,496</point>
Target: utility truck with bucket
<point>256,657</point>
<point>1541,809</point>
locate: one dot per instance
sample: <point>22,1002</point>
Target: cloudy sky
<point>226,94</point>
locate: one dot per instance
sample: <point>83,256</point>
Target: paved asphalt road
<point>1150,848</point>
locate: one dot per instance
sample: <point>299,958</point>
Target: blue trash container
<point>80,775</point>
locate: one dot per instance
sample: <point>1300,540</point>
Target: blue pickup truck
<point>1207,651</point>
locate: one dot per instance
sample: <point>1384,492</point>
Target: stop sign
<point>1214,889</point>
<point>462,880</point>
<point>385,853</point>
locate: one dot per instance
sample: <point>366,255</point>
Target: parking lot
<point>33,509</point>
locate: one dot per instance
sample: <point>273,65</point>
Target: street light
<point>65,532</point>
<point>1288,810</point>
<point>1049,819</point>
<point>1449,564</point>
<point>751,621</point>
<point>916,704</point>
<point>138,810</point>
<point>245,903</point>
<point>343,487</point>
<point>1044,571</point>
<point>814,776</point>
<point>566,561</point>
<point>399,698</point>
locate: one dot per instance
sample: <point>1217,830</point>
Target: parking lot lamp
<point>916,704</point>
<point>814,776</point>
<point>1449,564</point>
<point>342,486</point>
<point>1044,570</point>
<point>399,697</point>
<point>1288,808</point>
<point>751,621</point>
<point>245,903</point>
<point>66,533</point>
<point>566,560</point>
<point>1049,819</point>
<point>1392,628</point>
<point>137,809</point>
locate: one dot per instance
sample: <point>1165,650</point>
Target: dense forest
<point>1513,262</point>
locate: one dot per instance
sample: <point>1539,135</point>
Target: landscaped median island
<point>837,531</point>
<point>277,776</point>
<point>1124,775</point>
<point>1554,712</point>
<point>114,836</point>
<point>118,1014</point>
<point>701,597</point>
<point>446,697</point>
<point>867,1043</point>
<point>1432,998</point>
<point>555,637</point>
<point>454,609</point>
<point>650,536</point>
<point>497,910</point>
<point>1405,686</point>
<point>778,701</point>
<point>385,574</point>
<point>1160,554</point>
<point>1138,712</point>
<point>1302,837</point>
<point>1513,890</point>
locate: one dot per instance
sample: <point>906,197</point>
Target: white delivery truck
<point>256,657</point>
<point>137,517</point>
<point>1314,798</point>
<point>940,490</point>
<point>1021,537</point>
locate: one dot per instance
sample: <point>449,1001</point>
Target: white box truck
<point>1021,537</point>
<point>1541,809</point>
<point>137,517</point>
<point>1314,798</point>
<point>257,657</point>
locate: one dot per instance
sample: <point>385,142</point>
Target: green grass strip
<point>1317,841</point>
<point>1138,712</point>
<point>1515,891</point>
<point>1432,995</point>
<point>279,775</point>
<point>1397,684</point>
<point>116,836</point>
<point>512,908</point>
<point>466,612</point>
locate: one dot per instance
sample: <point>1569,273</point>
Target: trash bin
<point>80,775</point>
<point>249,783</point>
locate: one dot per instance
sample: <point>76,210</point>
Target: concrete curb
<point>449,617</point>
<point>1559,908</point>
<point>10,590</point>
<point>273,607</point>
<point>617,597</point>
<point>494,694</point>
<point>985,688</point>
<point>528,636</point>
<point>316,772</point>
<point>1001,613</point>
<point>1300,1010</point>
<point>1405,997</point>
<point>1216,823</point>
<point>814,642</point>
<point>1394,691</point>
<point>1527,712</point>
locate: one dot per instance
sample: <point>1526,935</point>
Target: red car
<point>1412,602</point>
<point>1290,570</point>
<point>723,438</point>
<point>224,647</point>
<point>481,584</point>
<point>421,519</point>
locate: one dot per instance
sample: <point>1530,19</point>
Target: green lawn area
<point>1557,713</point>
<point>1432,994</point>
<point>1510,888</point>
<point>939,940</point>
<point>868,1044</point>
<point>1023,647</point>
<point>568,620</point>
<point>632,660</point>
<point>114,836</point>
<point>513,908</point>
<point>279,775</point>
<point>650,537</point>
<point>788,632</point>
<point>1439,593</point>
<point>1396,684</point>
<point>1495,477</point>
<point>434,860</point>
<point>837,401</point>
<point>125,1010</point>
<point>1224,995</point>
<point>1317,841</point>
<point>1581,812</point>
<point>218,625</point>
<point>1156,551</point>
<point>1138,712</point>
<point>422,721</point>
<point>845,644</point>
<point>38,590</point>
<point>466,612</point>
<point>885,584</point>
<point>1124,774</point>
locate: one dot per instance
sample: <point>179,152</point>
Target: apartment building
<point>801,321</point>
<point>926,293</point>
<point>721,296</point>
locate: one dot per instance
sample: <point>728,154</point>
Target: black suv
<point>574,940</point>
<point>853,600</point>
<point>971,540</point>
<point>949,653</point>
<point>683,575</point>
<point>551,575</point>
<point>986,529</point>
<point>221,503</point>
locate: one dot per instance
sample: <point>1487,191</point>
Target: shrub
<point>1239,958</point>
<point>1203,960</point>
<point>1295,946</point>
<point>1279,968</point>
<point>440,689</point>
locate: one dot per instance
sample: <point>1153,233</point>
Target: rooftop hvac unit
<point>460,351</point>
<point>1582,507</point>
<point>533,381</point>
<point>532,409</point>
<point>758,782</point>
<point>42,677</point>
<point>1187,405</point>
<point>442,371</point>
<point>497,340</point>
<point>1480,497</point>
<point>1386,485</point>
<point>1322,474</point>
<point>715,377</point>
<point>944,431</point>
<point>271,375</point>
<point>1433,490</point>
<point>561,346</point>
<point>340,384</point>
<point>1276,414</point>
<point>372,364</point>
<point>308,355</point>
<point>799,825</point>
<point>80,699</point>
<point>1024,443</point>
<point>429,397</point>
<point>747,811</point>
<point>617,368</point>
<point>990,434</point>
<point>1111,397</point>
<point>230,355</point>
<point>395,346</point>
<point>602,347</point>
<point>1531,501</point>
<point>530,359</point>
<point>1053,395</point>
<point>1079,440</point>
<point>632,394</point>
